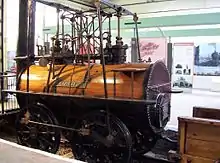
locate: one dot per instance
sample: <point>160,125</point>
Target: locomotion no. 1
<point>83,89</point>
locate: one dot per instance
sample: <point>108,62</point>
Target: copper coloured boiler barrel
<point>123,81</point>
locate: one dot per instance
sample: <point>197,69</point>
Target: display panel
<point>182,71</point>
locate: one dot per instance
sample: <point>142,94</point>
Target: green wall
<point>166,21</point>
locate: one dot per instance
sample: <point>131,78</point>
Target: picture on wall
<point>183,69</point>
<point>153,49</point>
<point>207,59</point>
<point>182,81</point>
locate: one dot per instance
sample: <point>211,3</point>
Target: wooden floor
<point>14,153</point>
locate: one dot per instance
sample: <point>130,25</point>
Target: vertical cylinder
<point>119,28</point>
<point>22,33</point>
<point>25,44</point>
<point>31,27</point>
<point>134,55</point>
<point>109,30</point>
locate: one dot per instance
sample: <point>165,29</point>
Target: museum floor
<point>183,103</point>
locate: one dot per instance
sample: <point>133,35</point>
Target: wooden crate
<point>210,113</point>
<point>199,136</point>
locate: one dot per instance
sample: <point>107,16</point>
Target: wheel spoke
<point>23,132</point>
<point>46,141</point>
<point>46,132</point>
<point>91,148</point>
<point>38,136</point>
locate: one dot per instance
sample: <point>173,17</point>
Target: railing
<point>8,101</point>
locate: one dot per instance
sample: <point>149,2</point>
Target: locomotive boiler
<point>108,109</point>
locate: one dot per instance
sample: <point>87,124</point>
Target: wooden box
<point>199,136</point>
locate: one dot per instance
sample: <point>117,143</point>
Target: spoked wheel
<point>142,143</point>
<point>34,135</point>
<point>100,145</point>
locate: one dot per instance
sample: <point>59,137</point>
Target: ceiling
<point>85,5</point>
<point>132,2</point>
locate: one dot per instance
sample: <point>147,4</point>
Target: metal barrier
<point>8,101</point>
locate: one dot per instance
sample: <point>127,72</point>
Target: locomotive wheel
<point>142,143</point>
<point>99,145</point>
<point>38,136</point>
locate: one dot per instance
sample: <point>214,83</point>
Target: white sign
<point>182,67</point>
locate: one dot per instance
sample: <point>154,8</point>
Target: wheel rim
<point>143,142</point>
<point>87,148</point>
<point>158,82</point>
<point>37,136</point>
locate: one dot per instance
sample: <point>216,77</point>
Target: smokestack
<point>25,44</point>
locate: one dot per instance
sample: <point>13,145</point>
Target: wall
<point>172,26</point>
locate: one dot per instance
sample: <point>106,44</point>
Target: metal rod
<point>137,36</point>
<point>81,38</point>
<point>2,55</point>
<point>58,22</point>
<point>93,36</point>
<point>55,126</point>
<point>2,34</point>
<point>88,49</point>
<point>101,47</point>
<point>72,40</point>
<point>145,2</point>
<point>109,29</point>
<point>119,29</point>
<point>63,40</point>
<point>28,43</point>
<point>132,84</point>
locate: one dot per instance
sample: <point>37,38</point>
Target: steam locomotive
<point>109,110</point>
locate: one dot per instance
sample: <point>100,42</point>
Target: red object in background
<point>84,49</point>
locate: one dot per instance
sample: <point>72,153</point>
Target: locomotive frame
<point>39,123</point>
